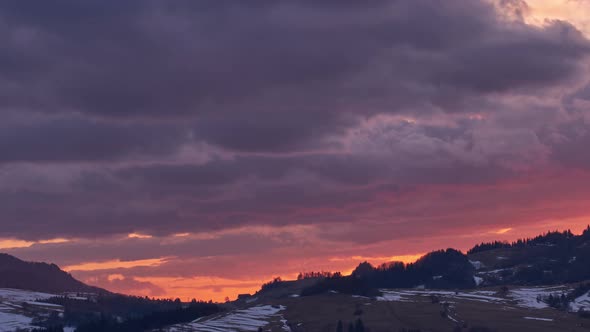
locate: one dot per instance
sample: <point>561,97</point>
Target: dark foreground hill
<point>90,309</point>
<point>40,277</point>
<point>535,284</point>
<point>550,258</point>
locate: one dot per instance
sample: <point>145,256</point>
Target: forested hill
<point>554,257</point>
<point>41,277</point>
<point>551,258</point>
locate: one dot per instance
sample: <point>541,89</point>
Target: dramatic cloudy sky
<point>198,148</point>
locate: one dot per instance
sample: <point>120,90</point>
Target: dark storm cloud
<point>273,130</point>
<point>571,147</point>
<point>339,168</point>
<point>79,139</point>
<point>138,249</point>
<point>275,75</point>
<point>284,91</point>
<point>581,94</point>
<point>224,193</point>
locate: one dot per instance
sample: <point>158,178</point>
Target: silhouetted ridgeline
<point>550,258</point>
<point>439,269</point>
<point>103,311</point>
<point>41,277</point>
<point>555,237</point>
<point>554,257</point>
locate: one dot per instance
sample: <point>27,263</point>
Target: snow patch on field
<point>43,304</point>
<point>406,295</point>
<point>12,314</point>
<point>477,280</point>
<point>19,295</point>
<point>244,320</point>
<point>581,303</point>
<point>11,322</point>
<point>359,296</point>
<point>493,271</point>
<point>394,296</point>
<point>477,264</point>
<point>529,297</point>
<point>285,327</point>
<point>539,318</point>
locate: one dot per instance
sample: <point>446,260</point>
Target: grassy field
<point>478,310</point>
<point>321,313</point>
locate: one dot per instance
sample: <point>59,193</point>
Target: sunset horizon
<point>200,149</point>
<point>207,289</point>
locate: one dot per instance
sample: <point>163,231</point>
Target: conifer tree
<point>359,326</point>
<point>350,327</point>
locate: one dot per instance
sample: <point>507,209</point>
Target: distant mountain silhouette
<point>550,258</point>
<point>40,277</point>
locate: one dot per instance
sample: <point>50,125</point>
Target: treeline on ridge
<point>114,312</point>
<point>549,238</point>
<point>439,269</point>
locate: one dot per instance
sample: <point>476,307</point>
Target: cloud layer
<point>234,130</point>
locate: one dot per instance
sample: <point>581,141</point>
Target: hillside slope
<point>40,277</point>
<point>551,258</point>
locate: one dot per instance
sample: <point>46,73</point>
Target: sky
<point>196,149</point>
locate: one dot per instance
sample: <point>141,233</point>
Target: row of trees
<point>150,321</point>
<point>550,258</point>
<point>563,300</point>
<point>439,269</point>
<point>549,238</point>
<point>112,312</point>
<point>313,275</point>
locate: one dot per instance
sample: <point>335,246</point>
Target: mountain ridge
<point>40,277</point>
<point>553,257</point>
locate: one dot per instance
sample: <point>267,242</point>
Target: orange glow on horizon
<point>139,236</point>
<point>573,11</point>
<point>112,277</point>
<point>204,288</point>
<point>502,230</point>
<point>400,258</point>
<point>376,260</point>
<point>218,288</point>
<point>115,264</point>
<point>14,243</point>
<point>17,243</point>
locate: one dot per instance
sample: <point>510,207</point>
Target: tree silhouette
<point>359,326</point>
<point>350,327</point>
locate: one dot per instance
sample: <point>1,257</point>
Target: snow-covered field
<point>539,318</point>
<point>582,302</point>
<point>14,316</point>
<point>528,297</point>
<point>244,320</point>
<point>409,295</point>
<point>11,322</point>
<point>19,295</point>
<point>525,297</point>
